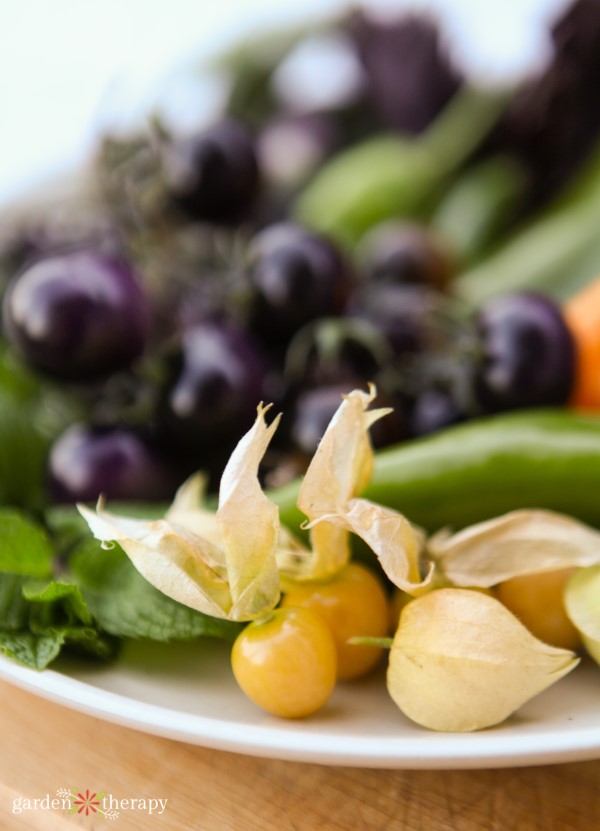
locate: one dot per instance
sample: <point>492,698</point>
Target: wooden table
<point>45,747</point>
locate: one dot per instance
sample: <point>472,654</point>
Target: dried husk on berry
<point>460,661</point>
<point>582,604</point>
<point>515,544</point>
<point>224,563</point>
<point>338,472</point>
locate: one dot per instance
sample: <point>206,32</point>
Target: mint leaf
<point>84,640</point>
<point>104,599</point>
<point>23,451</point>
<point>40,618</point>
<point>66,526</point>
<point>59,609</point>
<point>125,604</point>
<point>64,596</point>
<point>24,546</point>
<point>14,609</point>
<point>38,650</point>
<point>32,413</point>
<point>35,651</point>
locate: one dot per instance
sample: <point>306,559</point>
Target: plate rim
<point>399,752</point>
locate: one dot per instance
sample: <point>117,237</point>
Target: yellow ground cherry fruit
<point>400,599</point>
<point>286,662</point>
<point>537,600</point>
<point>353,603</point>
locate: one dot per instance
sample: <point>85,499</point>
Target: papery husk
<point>178,563</point>
<point>249,525</point>
<point>189,511</point>
<point>460,661</point>
<point>515,544</point>
<point>223,565</point>
<point>582,605</point>
<point>339,470</point>
<point>396,543</point>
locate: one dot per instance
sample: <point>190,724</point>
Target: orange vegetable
<point>582,313</point>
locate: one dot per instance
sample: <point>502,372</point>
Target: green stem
<point>382,643</point>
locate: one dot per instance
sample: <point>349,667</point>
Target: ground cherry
<point>353,603</point>
<point>537,600</point>
<point>286,662</point>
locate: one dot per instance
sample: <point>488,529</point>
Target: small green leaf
<point>14,609</point>
<point>66,525</point>
<point>88,642</point>
<point>39,618</point>
<point>23,450</point>
<point>35,651</point>
<point>24,546</point>
<point>67,595</point>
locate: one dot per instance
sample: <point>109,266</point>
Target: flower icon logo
<point>88,803</point>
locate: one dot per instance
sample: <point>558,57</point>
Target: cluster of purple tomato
<point>188,293</point>
<point>302,323</point>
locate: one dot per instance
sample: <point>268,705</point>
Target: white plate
<point>187,693</point>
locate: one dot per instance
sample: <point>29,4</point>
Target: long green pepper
<point>529,459</point>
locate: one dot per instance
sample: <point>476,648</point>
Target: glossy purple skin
<point>400,313</point>
<point>433,410</point>
<point>312,413</point>
<point>85,462</point>
<point>528,353</point>
<point>213,175</point>
<point>314,409</point>
<point>295,276</point>
<point>407,255</point>
<point>352,362</point>
<point>217,381</point>
<point>77,316</point>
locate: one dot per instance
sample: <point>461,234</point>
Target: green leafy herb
<point>102,600</point>
<point>35,651</point>
<point>39,616</point>
<point>23,450</point>
<point>14,609</point>
<point>25,548</point>
<point>66,598</point>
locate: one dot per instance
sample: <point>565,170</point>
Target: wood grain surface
<point>45,747</point>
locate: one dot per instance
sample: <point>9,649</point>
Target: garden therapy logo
<point>85,802</point>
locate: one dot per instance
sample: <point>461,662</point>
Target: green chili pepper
<point>394,176</point>
<point>529,459</point>
<point>558,252</point>
<point>475,212</point>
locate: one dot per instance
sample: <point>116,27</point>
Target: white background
<point>65,63</point>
